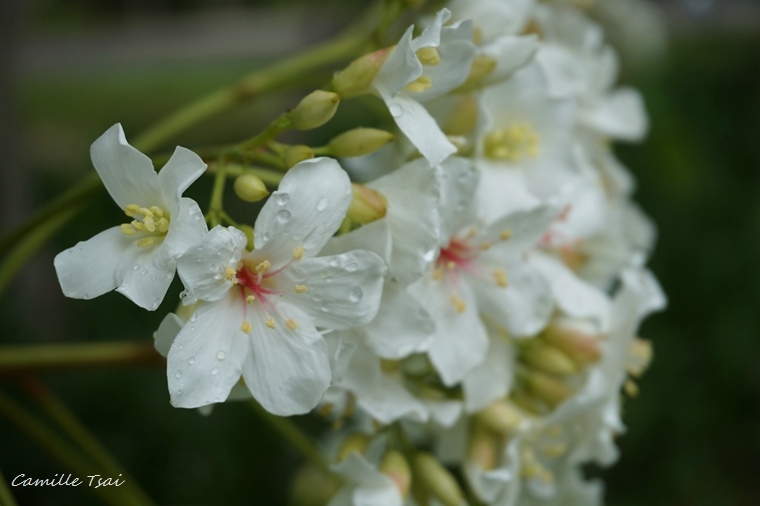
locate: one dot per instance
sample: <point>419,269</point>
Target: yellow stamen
<point>270,322</point>
<point>298,252</point>
<point>291,324</point>
<point>137,225</point>
<point>422,83</point>
<point>459,304</point>
<point>429,56</point>
<point>163,225</point>
<point>230,274</point>
<point>437,275</point>
<point>145,241</point>
<point>512,143</point>
<point>500,276</point>
<point>485,246</point>
<point>301,288</point>
<point>451,265</point>
<point>631,388</point>
<point>246,327</point>
<point>505,234</point>
<point>132,210</point>
<point>128,229</point>
<point>250,299</point>
<point>263,267</point>
<point>149,224</point>
<point>157,211</point>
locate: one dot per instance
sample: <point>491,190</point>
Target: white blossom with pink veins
<point>260,310</point>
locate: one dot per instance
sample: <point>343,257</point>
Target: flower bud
<point>296,154</point>
<point>395,466</point>
<point>581,347</point>
<point>314,110</point>
<point>481,447</point>
<point>437,479</point>
<point>367,205</point>
<point>548,358</point>
<point>501,417</point>
<point>313,487</point>
<point>356,442</point>
<point>359,142</point>
<point>357,77</point>
<point>250,188</point>
<point>549,389</point>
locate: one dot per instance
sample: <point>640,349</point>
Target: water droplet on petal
<point>86,296</point>
<point>322,204</point>
<point>178,374</point>
<point>144,272</point>
<point>352,267</point>
<point>192,329</point>
<point>194,317</point>
<point>191,360</point>
<point>214,371</point>
<point>283,216</point>
<point>282,199</point>
<point>355,294</point>
<point>334,262</point>
<point>155,304</point>
<point>325,308</point>
<point>135,267</point>
<point>221,355</point>
<point>396,110</point>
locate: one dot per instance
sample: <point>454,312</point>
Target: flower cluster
<point>470,302</point>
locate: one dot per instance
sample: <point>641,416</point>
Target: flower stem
<point>64,452</point>
<point>216,205</point>
<point>6,497</point>
<point>79,434</point>
<point>290,431</point>
<point>15,359</point>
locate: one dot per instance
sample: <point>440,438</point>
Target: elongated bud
<point>548,358</point>
<point>482,66</point>
<point>357,77</point>
<point>549,389</point>
<point>367,205</point>
<point>296,154</point>
<point>353,443</point>
<point>582,347</point>
<point>437,479</point>
<point>314,110</point>
<point>250,188</point>
<point>359,142</point>
<point>395,466</point>
<point>481,447</point>
<point>501,417</point>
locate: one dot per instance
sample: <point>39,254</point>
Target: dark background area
<point>71,69</point>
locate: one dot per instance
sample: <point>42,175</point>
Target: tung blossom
<point>260,310</point>
<point>138,259</point>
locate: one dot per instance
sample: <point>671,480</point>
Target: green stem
<point>15,359</point>
<point>6,497</point>
<point>79,434</point>
<point>290,431</point>
<point>215,206</point>
<point>65,453</point>
<point>275,128</point>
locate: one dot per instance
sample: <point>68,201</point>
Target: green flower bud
<point>501,417</point>
<point>250,188</point>
<point>437,479</point>
<point>357,77</point>
<point>353,443</point>
<point>297,153</point>
<point>548,388</point>
<point>395,466</point>
<point>482,447</point>
<point>359,141</point>
<point>316,109</point>
<point>548,358</point>
<point>582,347</point>
<point>367,205</point>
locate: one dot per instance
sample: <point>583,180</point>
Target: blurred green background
<point>70,69</point>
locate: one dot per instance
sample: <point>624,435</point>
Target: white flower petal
<point>147,275</point>
<point>202,267</point>
<point>510,53</point>
<point>492,379</point>
<point>182,169</point>
<point>620,115</point>
<point>288,370</point>
<point>525,229</point>
<point>127,174</point>
<point>305,211</point>
<point>399,69</point>
<point>187,227</point>
<point>374,237</point>
<point>402,325</point>
<point>93,267</point>
<point>459,183</point>
<point>167,331</point>
<point>343,290</point>
<point>205,361</point>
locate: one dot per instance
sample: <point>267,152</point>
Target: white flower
<point>365,484</point>
<point>138,259</point>
<point>260,309</point>
<point>421,69</point>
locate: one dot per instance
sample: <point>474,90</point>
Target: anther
<point>459,304</point>
<point>301,288</point>
<point>428,56</point>
<point>505,234</point>
<point>298,252</point>
<point>128,229</point>
<point>230,274</point>
<point>270,322</point>
<point>149,224</point>
<point>250,299</point>
<point>422,83</point>
<point>145,241</point>
<point>263,267</point>
<point>291,324</point>
<point>437,275</point>
<point>246,327</point>
<point>500,276</point>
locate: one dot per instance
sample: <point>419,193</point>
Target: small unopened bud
<point>367,205</point>
<point>395,466</point>
<point>437,479</point>
<point>314,110</point>
<point>580,346</point>
<point>357,77</point>
<point>549,389</point>
<point>481,447</point>
<point>482,66</point>
<point>296,154</point>
<point>250,188</point>
<point>501,417</point>
<point>353,443</point>
<point>548,358</point>
<point>359,142</point>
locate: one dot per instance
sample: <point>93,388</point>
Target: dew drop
<point>169,275</point>
<point>352,267</point>
<point>214,371</point>
<point>153,278</point>
<point>144,272</point>
<point>194,317</point>
<point>396,110</point>
<point>355,294</point>
<point>191,360</point>
<point>179,391</point>
<point>155,304</point>
<point>86,296</point>
<point>322,204</point>
<point>178,375</point>
<point>325,308</point>
<point>334,262</point>
<point>221,355</point>
<point>283,199</point>
<point>283,216</point>
<point>136,267</point>
<point>192,329</point>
